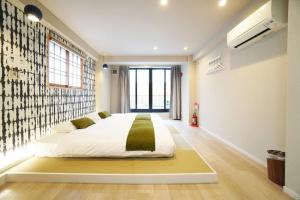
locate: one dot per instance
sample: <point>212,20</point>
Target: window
<point>150,89</point>
<point>65,67</point>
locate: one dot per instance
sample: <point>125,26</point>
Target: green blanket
<point>141,135</point>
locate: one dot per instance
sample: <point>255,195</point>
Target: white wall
<point>245,104</point>
<point>102,87</point>
<point>185,87</point>
<point>192,86</point>
<point>188,90</point>
<point>115,106</point>
<point>145,60</point>
<point>293,103</point>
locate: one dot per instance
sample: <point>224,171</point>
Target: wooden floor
<point>239,178</point>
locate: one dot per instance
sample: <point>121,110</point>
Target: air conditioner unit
<point>271,17</point>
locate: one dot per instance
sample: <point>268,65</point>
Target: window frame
<point>68,50</point>
<point>150,109</point>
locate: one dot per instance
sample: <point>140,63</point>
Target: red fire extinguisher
<point>194,116</point>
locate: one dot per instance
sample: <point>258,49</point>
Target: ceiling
<point>134,27</point>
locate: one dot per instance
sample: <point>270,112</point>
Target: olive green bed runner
<point>141,135</point>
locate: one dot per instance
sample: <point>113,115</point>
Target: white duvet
<point>106,138</point>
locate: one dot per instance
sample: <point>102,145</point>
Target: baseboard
<point>252,157</point>
<point>291,193</point>
<point>183,178</point>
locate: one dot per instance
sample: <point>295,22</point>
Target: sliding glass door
<point>150,89</point>
<point>142,89</point>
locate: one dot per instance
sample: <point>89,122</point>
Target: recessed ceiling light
<point>185,48</point>
<point>222,3</point>
<point>155,48</point>
<point>163,2</point>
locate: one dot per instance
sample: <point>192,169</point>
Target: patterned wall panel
<point>28,106</point>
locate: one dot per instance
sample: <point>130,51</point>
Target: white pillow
<point>94,116</point>
<point>65,127</point>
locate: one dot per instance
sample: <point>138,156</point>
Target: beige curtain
<point>175,104</point>
<point>124,89</point>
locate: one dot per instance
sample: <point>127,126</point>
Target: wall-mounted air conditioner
<point>271,17</point>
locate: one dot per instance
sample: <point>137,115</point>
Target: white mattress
<point>106,138</point>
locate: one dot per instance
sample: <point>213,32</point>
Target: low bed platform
<point>187,166</point>
<point>98,154</point>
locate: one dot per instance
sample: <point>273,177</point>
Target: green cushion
<point>104,114</point>
<point>82,122</point>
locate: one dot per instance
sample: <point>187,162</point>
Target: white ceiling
<point>133,27</point>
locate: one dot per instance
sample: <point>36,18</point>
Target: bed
<point>106,138</point>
